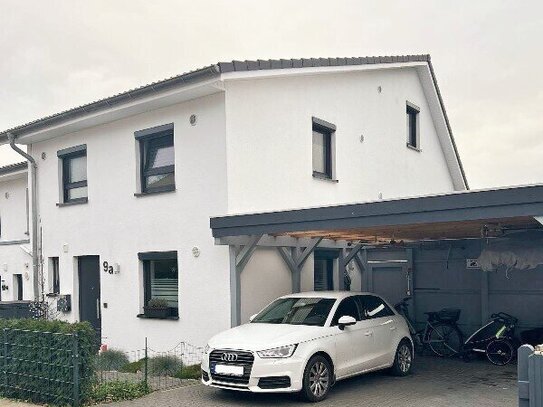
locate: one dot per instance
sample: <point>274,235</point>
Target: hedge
<point>36,360</point>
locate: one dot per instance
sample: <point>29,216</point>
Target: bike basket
<point>448,314</point>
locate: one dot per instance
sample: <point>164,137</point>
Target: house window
<point>322,148</point>
<point>74,174</point>
<point>412,115</point>
<point>55,275</point>
<point>157,159</point>
<point>161,280</point>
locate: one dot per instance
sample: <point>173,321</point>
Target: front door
<point>89,291</point>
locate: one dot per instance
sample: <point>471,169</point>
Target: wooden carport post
<point>295,259</point>
<point>345,257</point>
<point>239,257</point>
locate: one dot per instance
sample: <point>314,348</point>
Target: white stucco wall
<point>116,225</point>
<point>269,132</point>
<point>13,215</point>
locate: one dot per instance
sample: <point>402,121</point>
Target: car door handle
<point>368,333</point>
<point>390,321</point>
<point>392,328</point>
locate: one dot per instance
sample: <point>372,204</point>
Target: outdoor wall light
<point>6,195</point>
<point>43,155</point>
<point>193,120</point>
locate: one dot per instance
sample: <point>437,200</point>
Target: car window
<point>296,311</point>
<point>374,307</point>
<point>347,307</point>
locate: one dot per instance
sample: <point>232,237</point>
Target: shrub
<point>118,390</point>
<point>164,365</point>
<point>32,345</point>
<point>112,359</point>
<point>189,372</point>
<point>134,367</point>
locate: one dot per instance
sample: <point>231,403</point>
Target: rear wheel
<point>403,361</point>
<point>317,379</point>
<point>500,352</point>
<point>445,340</point>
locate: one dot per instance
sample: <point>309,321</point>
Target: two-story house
<point>126,185</point>
<point>16,280</point>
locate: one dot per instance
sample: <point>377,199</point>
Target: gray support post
<point>238,261</point>
<point>535,374</point>
<point>362,269</point>
<point>295,259</point>
<point>341,269</point>
<point>524,353</point>
<point>484,297</point>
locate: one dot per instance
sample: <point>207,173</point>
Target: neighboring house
<point>15,259</point>
<point>127,184</point>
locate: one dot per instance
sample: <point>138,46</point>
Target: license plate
<point>229,370</point>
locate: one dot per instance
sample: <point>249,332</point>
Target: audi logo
<point>229,357</point>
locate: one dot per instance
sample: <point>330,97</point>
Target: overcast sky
<point>487,55</point>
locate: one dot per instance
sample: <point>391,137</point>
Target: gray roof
<point>8,169</point>
<point>522,201</point>
<point>214,71</point>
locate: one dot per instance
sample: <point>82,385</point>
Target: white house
<point>15,259</point>
<point>126,185</point>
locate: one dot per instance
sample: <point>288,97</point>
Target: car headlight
<point>280,352</point>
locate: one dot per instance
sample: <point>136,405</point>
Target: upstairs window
<point>322,148</point>
<point>412,115</point>
<point>157,159</point>
<point>74,174</point>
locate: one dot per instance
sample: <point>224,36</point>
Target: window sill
<point>81,201</point>
<point>171,318</point>
<point>411,147</point>
<point>323,177</point>
<point>140,194</point>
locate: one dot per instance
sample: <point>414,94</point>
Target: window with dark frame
<point>19,284</point>
<point>157,159</point>
<point>161,279</point>
<point>55,276</point>
<point>412,113</point>
<point>74,175</point>
<point>322,148</point>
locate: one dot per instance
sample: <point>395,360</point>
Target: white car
<point>305,342</point>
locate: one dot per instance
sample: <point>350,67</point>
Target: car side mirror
<point>346,320</point>
<point>252,317</point>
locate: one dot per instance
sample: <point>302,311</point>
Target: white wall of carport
<point>116,225</point>
<point>13,216</point>
<point>269,140</point>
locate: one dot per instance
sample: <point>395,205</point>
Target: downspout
<point>33,204</point>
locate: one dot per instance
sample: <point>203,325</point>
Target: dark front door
<point>89,291</point>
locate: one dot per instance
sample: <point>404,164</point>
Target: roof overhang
<point>13,171</point>
<point>461,215</point>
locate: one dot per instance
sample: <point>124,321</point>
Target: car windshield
<point>296,311</point>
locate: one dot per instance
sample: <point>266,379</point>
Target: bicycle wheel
<point>500,352</point>
<point>445,339</point>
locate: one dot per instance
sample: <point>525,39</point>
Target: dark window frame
<point>337,315</point>
<point>19,278</point>
<point>55,271</point>
<point>327,130</point>
<point>146,259</point>
<point>160,136</point>
<point>413,125</point>
<point>66,156</point>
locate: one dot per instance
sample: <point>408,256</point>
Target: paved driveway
<point>434,383</point>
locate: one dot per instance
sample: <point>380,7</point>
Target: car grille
<point>244,359</point>
<point>274,382</point>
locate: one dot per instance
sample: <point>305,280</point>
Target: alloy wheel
<point>319,379</point>
<point>404,358</point>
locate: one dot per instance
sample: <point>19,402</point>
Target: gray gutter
<point>464,206</point>
<point>34,207</point>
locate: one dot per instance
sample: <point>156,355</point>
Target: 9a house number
<point>107,268</point>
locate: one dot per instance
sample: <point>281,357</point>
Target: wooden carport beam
<point>239,257</point>
<point>295,257</point>
<point>344,258</point>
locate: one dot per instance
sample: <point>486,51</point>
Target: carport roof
<point>458,215</point>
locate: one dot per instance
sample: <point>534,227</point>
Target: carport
<point>474,250</point>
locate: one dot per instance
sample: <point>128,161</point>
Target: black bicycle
<point>441,333</point>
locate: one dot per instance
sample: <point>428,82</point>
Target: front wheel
<point>317,379</point>
<point>500,352</point>
<point>445,340</point>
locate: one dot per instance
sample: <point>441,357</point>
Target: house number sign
<point>107,268</point>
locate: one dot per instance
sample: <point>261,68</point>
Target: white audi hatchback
<point>306,342</point>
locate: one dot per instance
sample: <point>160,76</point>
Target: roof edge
<point>11,168</point>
